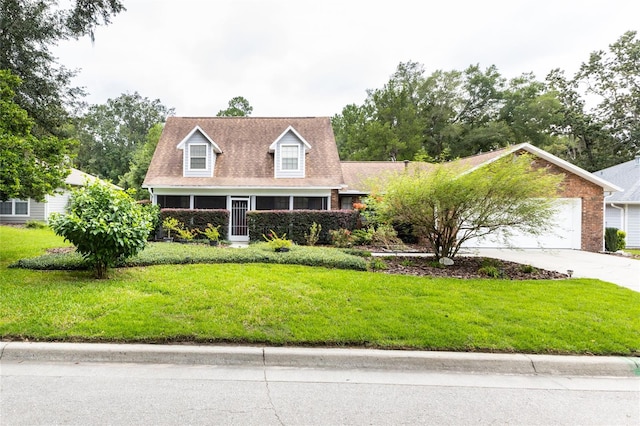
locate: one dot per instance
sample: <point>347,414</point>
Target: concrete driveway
<point>619,270</point>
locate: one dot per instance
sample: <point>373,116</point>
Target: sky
<point>312,58</point>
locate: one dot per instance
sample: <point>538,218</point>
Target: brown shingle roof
<point>245,160</point>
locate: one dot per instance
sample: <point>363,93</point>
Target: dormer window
<point>289,151</point>
<point>289,157</point>
<point>199,154</point>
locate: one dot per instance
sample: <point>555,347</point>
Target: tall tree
<point>30,167</point>
<point>28,29</point>
<point>140,163</point>
<point>110,133</point>
<point>238,107</point>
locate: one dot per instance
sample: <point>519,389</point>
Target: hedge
<point>296,223</point>
<point>199,218</point>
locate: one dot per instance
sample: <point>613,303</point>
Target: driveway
<point>619,270</point>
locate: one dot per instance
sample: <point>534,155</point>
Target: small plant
<point>387,237</point>
<point>407,262</point>
<point>363,236</point>
<point>527,269</point>
<point>314,234</point>
<point>491,272</point>
<point>614,239</point>
<point>35,224</point>
<point>171,224</point>
<point>186,234</point>
<point>277,243</point>
<point>211,232</point>
<point>341,237</point>
<point>377,264</point>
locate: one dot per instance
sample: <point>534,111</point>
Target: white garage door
<point>566,234</point>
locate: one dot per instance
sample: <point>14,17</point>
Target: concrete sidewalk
<point>321,358</point>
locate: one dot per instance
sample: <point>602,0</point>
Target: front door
<point>239,228</point>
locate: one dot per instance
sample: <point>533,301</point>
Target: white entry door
<point>239,230</point>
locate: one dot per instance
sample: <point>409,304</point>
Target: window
<point>309,203</point>
<point>272,203</point>
<point>14,208</point>
<point>289,157</point>
<point>209,202</point>
<point>197,156</point>
<point>173,201</point>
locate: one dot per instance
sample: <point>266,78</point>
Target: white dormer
<point>199,158</point>
<point>289,154</point>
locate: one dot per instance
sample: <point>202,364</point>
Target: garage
<point>566,234</point>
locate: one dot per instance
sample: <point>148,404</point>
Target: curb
<point>321,358</point>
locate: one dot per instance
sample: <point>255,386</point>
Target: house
<point>249,163</point>
<point>15,211</point>
<point>622,209</point>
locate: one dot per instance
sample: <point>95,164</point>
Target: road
<point>92,393</point>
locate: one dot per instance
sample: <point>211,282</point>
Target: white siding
<point>57,204</point>
<point>613,217</point>
<point>289,139</point>
<point>198,138</point>
<point>633,226</point>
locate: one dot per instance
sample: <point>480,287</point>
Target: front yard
<point>280,304</point>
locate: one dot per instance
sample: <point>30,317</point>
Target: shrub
<point>314,234</point>
<point>35,224</point>
<point>363,236</point>
<point>211,232</point>
<point>296,223</point>
<point>105,224</point>
<point>387,237</point>
<point>199,219</point>
<point>527,269</point>
<point>491,272</point>
<point>187,234</point>
<point>171,224</point>
<point>277,243</point>
<point>377,264</point>
<point>341,237</point>
<point>614,239</point>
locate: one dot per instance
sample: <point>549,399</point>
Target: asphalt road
<point>45,393</point>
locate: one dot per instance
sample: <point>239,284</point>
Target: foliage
<point>211,232</point>
<point>377,264</point>
<point>105,224</point>
<point>614,239</point>
<point>35,224</point>
<point>363,236</point>
<point>28,30</point>
<point>296,223</point>
<point>446,115</point>
<point>277,242</point>
<point>30,167</point>
<point>448,206</point>
<point>606,132</point>
<point>140,163</point>
<point>186,234</point>
<point>199,219</point>
<point>386,237</point>
<point>341,237</point>
<point>171,224</point>
<point>491,271</point>
<point>314,234</point>
<point>238,107</point>
<point>110,134</point>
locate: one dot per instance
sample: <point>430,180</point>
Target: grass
<point>278,304</point>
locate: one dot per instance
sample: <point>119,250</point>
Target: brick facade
<point>592,197</point>
<point>335,199</point>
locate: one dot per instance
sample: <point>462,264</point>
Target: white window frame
<point>206,157</point>
<point>13,202</point>
<point>297,157</point>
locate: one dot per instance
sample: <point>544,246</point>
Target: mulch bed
<point>466,267</point>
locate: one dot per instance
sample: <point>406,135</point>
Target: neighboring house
<point>20,211</point>
<point>249,163</point>
<point>622,209</point>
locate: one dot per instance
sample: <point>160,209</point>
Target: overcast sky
<point>312,58</point>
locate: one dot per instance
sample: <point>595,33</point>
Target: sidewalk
<point>322,358</point>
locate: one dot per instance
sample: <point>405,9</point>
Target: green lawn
<point>277,304</point>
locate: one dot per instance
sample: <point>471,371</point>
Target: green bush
<point>35,224</point>
<point>105,224</point>
<point>341,238</point>
<point>614,239</point>
<point>491,272</point>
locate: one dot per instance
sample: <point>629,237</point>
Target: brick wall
<point>592,197</point>
<point>335,200</point>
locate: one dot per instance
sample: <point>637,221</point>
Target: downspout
<point>622,224</point>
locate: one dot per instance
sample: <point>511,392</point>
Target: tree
<point>604,131</point>
<point>447,205</point>
<point>140,163</point>
<point>105,224</point>
<point>30,167</point>
<point>28,28</point>
<point>238,107</point>
<point>110,133</point>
